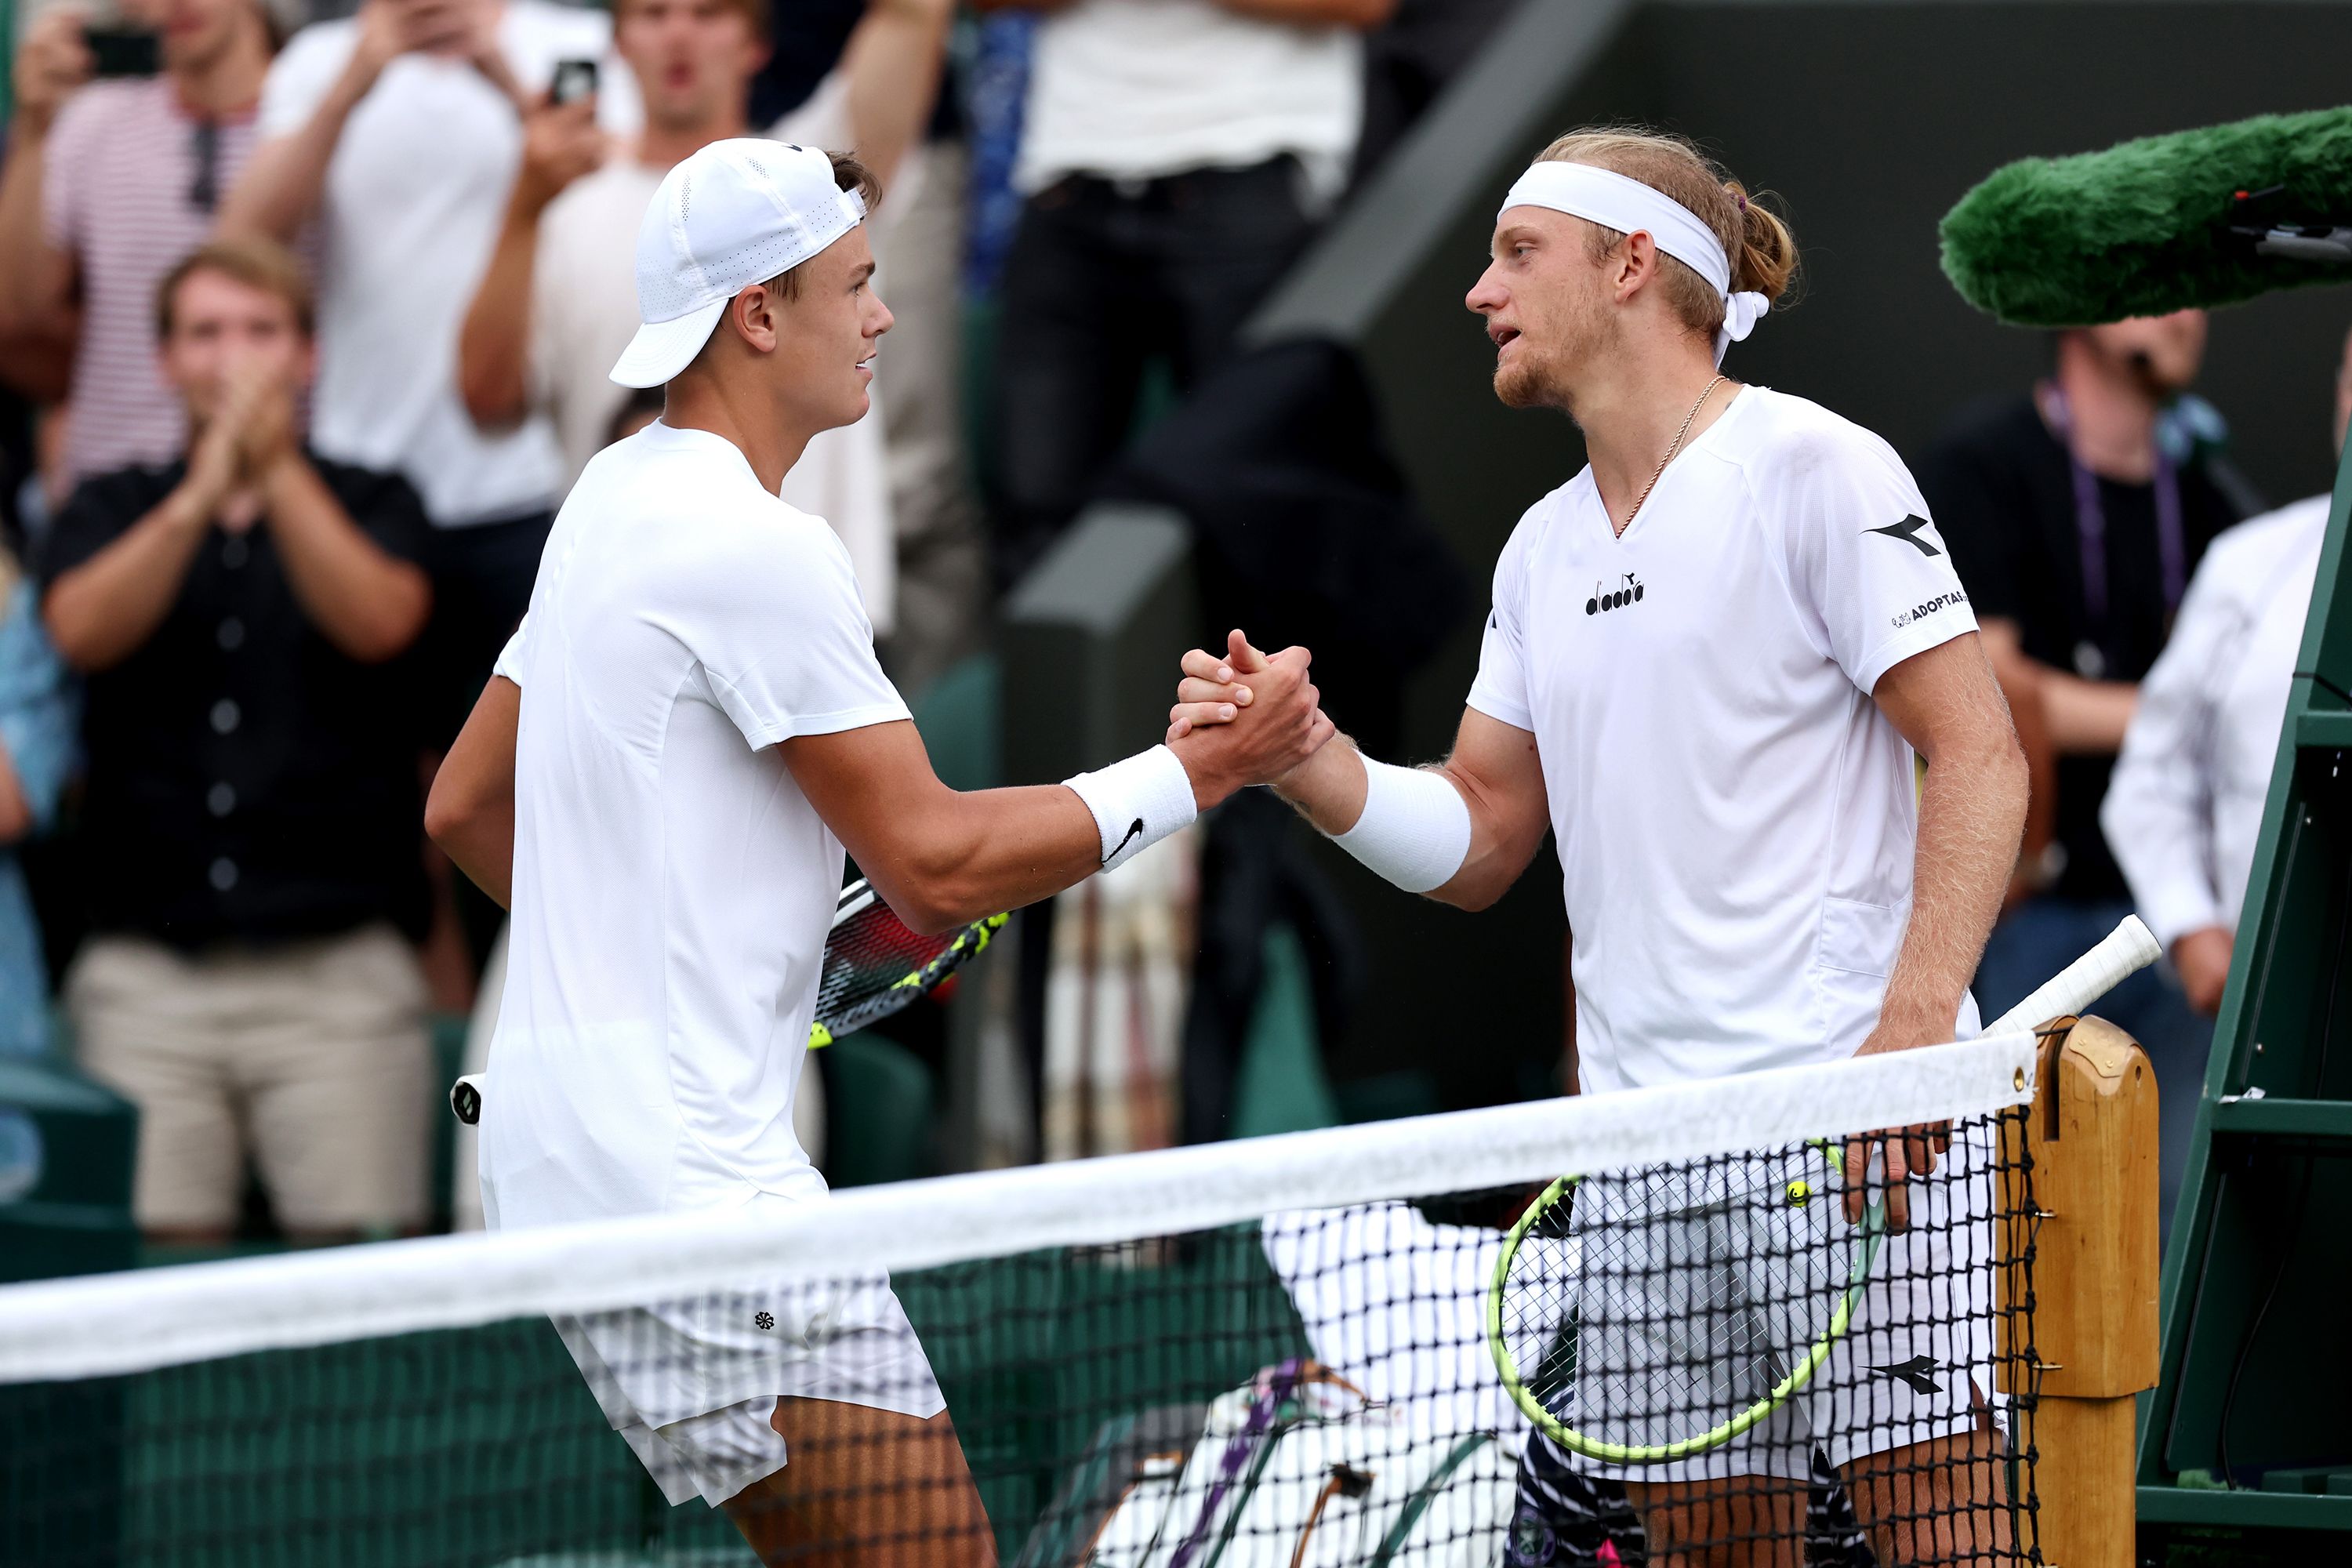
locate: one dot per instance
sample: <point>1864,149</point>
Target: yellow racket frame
<point>1874,1231</point>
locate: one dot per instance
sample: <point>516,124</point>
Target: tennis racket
<point>1532,1302</point>
<point>873,966</point>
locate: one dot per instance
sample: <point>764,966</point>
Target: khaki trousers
<point>311,1056</point>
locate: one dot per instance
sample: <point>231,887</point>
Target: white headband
<point>1613,201</point>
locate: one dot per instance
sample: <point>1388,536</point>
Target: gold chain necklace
<point>1661,472</point>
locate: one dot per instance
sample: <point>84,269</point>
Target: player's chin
<point>1519,384</point>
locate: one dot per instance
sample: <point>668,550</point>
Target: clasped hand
<point>1269,720</point>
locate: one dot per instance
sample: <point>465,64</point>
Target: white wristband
<point>1415,829</point>
<point>1137,802</point>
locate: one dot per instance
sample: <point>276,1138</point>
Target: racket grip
<point>466,1098</point>
<point>2121,954</point>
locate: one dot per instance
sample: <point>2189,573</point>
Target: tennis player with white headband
<point>1713,657</point>
<point>662,776</point>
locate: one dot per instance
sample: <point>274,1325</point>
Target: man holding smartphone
<point>107,185</point>
<point>399,130</point>
<point>557,301</point>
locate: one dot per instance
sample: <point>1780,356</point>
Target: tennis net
<point>1644,1328</point>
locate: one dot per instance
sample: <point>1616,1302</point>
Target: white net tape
<point>81,1328</point>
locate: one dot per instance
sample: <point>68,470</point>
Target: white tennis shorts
<point>1688,1315</point>
<point>691,1384</point>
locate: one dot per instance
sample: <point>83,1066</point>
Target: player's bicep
<point>1945,700</point>
<point>1499,774</point>
<point>874,786</point>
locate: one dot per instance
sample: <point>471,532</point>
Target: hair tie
<point>1740,199</point>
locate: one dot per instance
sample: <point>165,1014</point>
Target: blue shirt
<point>37,736</point>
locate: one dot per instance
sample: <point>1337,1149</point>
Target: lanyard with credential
<point>2090,534</point>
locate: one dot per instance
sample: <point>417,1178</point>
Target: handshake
<point>1244,718</point>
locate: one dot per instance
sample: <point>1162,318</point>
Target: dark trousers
<point>1104,277</point>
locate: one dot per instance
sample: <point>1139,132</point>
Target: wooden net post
<point>2083,1201</point>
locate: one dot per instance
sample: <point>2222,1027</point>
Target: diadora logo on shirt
<point>1921,612</point>
<point>1627,592</point>
<point>1908,530</point>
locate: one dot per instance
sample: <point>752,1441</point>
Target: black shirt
<point>246,780</point>
<point>2002,493</point>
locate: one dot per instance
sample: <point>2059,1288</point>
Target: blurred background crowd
<point>305,317</point>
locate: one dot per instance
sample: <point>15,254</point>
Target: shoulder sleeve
<point>783,640</point>
<point>100,510</point>
<point>300,74</point>
<point>37,706</point>
<point>386,509</point>
<point>1867,566</point>
<point>509,660</point>
<point>1980,508</point>
<point>1500,690</point>
<point>2158,813</point>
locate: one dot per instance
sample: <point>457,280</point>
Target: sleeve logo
<point>1908,530</point>
<point>1921,612</point>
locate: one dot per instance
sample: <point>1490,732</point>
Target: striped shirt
<point>119,189</point>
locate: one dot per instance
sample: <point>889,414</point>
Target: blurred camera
<point>574,81</point>
<point>124,51</point>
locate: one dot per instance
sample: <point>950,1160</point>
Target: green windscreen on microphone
<point>2196,218</point>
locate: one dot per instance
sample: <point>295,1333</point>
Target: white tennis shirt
<point>1735,817</point>
<point>672,886</point>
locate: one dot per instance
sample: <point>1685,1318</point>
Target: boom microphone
<point>2197,218</point>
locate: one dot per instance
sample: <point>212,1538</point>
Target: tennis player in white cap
<point>1713,657</point>
<point>705,729</point>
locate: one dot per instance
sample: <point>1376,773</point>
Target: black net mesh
<point>1326,1386</point>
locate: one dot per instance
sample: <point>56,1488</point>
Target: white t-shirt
<point>584,310</point>
<point>672,886</point>
<point>1735,817</point>
<point>1139,89</point>
<point>2184,810</point>
<point>413,201</point>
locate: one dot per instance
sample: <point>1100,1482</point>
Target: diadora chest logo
<point>1628,591</point>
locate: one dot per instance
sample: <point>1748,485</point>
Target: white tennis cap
<point>736,213</point>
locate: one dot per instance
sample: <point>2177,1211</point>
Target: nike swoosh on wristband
<point>1908,530</point>
<point>1134,831</point>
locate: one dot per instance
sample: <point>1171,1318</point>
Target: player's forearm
<point>494,345</point>
<point>470,811</point>
<point>1331,789</point>
<point>969,855</point>
<point>1971,816</point>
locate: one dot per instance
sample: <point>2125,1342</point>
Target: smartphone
<point>124,51</point>
<point>574,81</point>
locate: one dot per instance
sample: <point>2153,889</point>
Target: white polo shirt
<point>1735,817</point>
<point>672,886</point>
<point>2185,809</point>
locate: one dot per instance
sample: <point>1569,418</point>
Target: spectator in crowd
<point>399,130</point>
<point>107,185</point>
<point>251,818</point>
<point>1176,154</point>
<point>2185,807</point>
<point>559,300</point>
<point>37,736</point>
<point>2074,516</point>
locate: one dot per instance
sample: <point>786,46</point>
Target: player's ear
<point>755,316</point>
